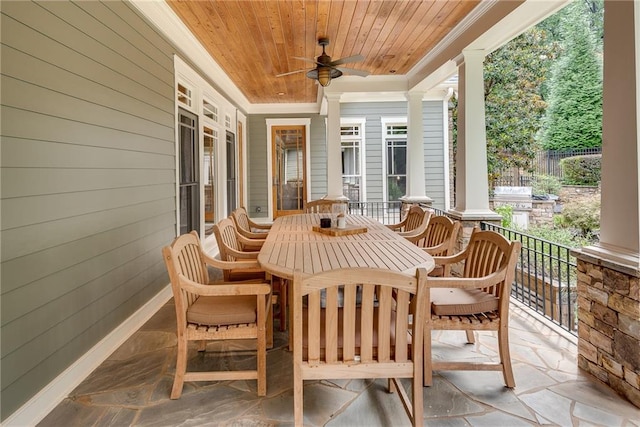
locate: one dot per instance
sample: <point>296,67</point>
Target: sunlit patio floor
<point>132,387</point>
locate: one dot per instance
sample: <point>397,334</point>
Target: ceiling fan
<point>326,69</point>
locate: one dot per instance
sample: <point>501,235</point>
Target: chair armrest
<point>396,227</point>
<point>230,265</point>
<point>451,259</point>
<point>225,288</point>
<point>433,250</point>
<point>258,226</point>
<point>467,282</point>
<point>251,234</point>
<point>243,255</point>
<point>255,244</point>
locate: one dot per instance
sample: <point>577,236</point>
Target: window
<point>232,177</point>
<point>209,110</point>
<point>396,150</point>
<point>189,173</point>
<point>209,161</point>
<point>184,95</point>
<point>351,140</point>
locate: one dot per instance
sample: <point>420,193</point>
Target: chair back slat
<point>242,219</point>
<point>183,258</point>
<point>414,218</point>
<point>488,252</point>
<point>366,317</point>
<point>225,234</point>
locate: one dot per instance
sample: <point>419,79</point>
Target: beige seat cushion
<point>459,302</point>
<point>223,310</point>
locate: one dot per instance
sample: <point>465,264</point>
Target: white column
<point>620,210</point>
<point>334,148</point>
<point>472,183</point>
<point>416,192</point>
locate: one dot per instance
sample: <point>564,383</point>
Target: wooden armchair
<point>214,311</point>
<point>479,300</point>
<point>243,265</point>
<point>321,205</point>
<point>232,247</point>
<point>355,323</point>
<point>413,220</point>
<point>419,231</point>
<point>246,227</point>
<point>438,239</point>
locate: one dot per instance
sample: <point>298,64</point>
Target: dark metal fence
<point>385,212</point>
<point>547,162</point>
<point>546,277</point>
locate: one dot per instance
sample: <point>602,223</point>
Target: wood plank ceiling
<point>255,40</point>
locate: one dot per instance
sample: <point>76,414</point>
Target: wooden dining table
<point>293,244</point>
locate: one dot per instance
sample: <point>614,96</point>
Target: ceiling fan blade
<point>354,58</point>
<point>313,61</point>
<point>351,71</point>
<point>290,72</point>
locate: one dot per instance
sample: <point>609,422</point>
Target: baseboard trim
<point>39,406</point>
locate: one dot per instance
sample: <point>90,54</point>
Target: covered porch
<point>132,386</point>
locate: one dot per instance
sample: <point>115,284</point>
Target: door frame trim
<point>306,122</point>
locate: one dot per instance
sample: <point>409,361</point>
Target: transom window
<point>184,95</point>
<point>210,110</point>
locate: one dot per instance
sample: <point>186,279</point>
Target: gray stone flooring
<point>132,387</point>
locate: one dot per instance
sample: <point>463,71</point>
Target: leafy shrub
<point>561,236</point>
<point>582,170</point>
<point>506,211</point>
<point>582,215</point>
<point>545,184</point>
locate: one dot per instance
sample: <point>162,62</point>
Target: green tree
<point>574,116</point>
<point>514,107</point>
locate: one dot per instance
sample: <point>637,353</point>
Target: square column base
<point>609,323</point>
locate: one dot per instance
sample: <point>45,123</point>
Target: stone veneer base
<point>609,324</point>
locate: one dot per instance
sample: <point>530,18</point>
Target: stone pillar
<point>472,182</point>
<point>608,272</point>
<point>416,193</point>
<point>609,324</point>
<point>334,148</point>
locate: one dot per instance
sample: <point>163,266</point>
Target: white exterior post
<point>472,185</point>
<point>334,148</point>
<point>416,192</point>
<point>620,209</point>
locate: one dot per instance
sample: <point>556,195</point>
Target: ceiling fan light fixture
<point>324,75</point>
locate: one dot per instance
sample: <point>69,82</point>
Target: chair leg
<point>471,339</point>
<point>181,368</point>
<point>298,383</point>
<point>505,357</point>
<point>427,367</point>
<point>262,361</point>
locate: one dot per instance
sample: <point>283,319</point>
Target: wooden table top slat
<point>292,244</point>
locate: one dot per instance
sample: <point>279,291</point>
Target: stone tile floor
<point>132,387</point>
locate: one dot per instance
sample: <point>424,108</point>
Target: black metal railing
<point>546,278</point>
<point>385,212</point>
